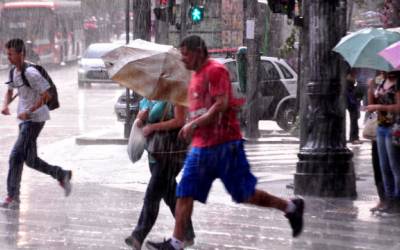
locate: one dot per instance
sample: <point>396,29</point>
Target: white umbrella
<point>153,70</point>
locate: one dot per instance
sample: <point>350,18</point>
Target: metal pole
<point>128,122</point>
<point>184,6</point>
<point>253,59</point>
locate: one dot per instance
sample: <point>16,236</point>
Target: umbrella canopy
<point>360,49</point>
<point>152,70</point>
<point>392,55</point>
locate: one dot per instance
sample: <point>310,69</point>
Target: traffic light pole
<point>184,6</point>
<point>128,120</point>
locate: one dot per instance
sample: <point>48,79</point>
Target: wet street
<point>82,110</point>
<point>108,190</point>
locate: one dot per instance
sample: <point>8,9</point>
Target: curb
<point>100,141</point>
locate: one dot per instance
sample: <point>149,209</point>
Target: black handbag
<point>166,142</point>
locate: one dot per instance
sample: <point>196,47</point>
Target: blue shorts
<point>225,161</point>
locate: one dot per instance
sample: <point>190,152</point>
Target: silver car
<point>277,90</point>
<point>120,106</point>
<point>91,66</point>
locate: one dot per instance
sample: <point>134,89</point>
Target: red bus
<point>55,28</point>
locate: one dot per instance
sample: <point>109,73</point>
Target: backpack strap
<point>23,69</point>
<point>11,75</point>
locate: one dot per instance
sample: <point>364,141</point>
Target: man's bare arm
<point>44,97</point>
<point>8,97</point>
<point>220,105</point>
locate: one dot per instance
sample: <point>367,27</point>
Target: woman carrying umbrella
<point>154,117</point>
<point>386,101</point>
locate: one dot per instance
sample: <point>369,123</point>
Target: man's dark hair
<point>193,43</point>
<point>17,44</point>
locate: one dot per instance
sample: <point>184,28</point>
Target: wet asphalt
<point>108,192</point>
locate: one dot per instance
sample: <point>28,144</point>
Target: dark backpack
<point>53,102</point>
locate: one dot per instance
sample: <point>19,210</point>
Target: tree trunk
<point>350,8</point>
<point>325,166</point>
<point>142,19</point>
<point>183,31</point>
<point>275,35</point>
<point>162,29</point>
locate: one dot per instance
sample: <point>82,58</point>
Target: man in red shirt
<point>217,147</point>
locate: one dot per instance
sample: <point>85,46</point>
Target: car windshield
<point>97,52</point>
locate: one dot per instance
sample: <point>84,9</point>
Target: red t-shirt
<point>212,80</point>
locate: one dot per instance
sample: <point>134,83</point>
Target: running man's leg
<point>173,166</point>
<point>33,130</point>
<point>16,162</point>
<point>234,171</point>
<point>183,214</point>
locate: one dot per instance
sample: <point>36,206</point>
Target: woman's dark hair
<point>393,74</point>
<point>17,44</point>
<point>194,43</point>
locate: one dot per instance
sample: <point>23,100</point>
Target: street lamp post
<point>325,166</point>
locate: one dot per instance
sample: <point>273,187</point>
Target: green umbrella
<point>360,49</point>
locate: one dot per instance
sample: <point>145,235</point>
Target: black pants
<point>377,171</point>
<point>162,185</point>
<point>354,114</point>
<point>25,150</point>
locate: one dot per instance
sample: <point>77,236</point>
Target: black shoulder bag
<point>165,142</point>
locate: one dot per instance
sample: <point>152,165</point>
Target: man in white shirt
<point>32,114</point>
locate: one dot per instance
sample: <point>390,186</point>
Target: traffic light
<point>196,13</point>
<point>282,7</point>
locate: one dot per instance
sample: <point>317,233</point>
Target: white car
<point>91,66</point>
<point>277,90</point>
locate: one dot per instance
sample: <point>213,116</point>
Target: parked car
<point>277,90</point>
<point>91,66</point>
<point>120,106</point>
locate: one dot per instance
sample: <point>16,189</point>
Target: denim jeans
<point>377,171</point>
<point>25,150</point>
<point>162,185</point>
<point>389,160</point>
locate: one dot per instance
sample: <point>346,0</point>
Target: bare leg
<point>264,199</point>
<point>183,213</point>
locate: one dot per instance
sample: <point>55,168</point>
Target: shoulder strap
<point>24,79</point>
<point>11,74</point>
<point>167,107</point>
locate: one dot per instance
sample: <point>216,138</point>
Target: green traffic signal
<point>196,13</point>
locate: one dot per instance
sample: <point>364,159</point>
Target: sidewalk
<point>108,194</point>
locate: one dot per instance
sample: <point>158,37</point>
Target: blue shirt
<point>156,110</point>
